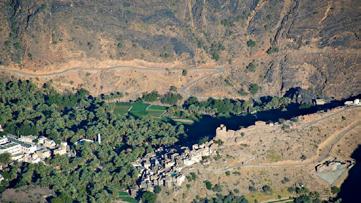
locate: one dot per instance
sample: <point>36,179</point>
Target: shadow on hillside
<point>206,126</point>
<point>351,188</point>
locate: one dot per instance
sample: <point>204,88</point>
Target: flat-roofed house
<point>17,149</point>
<point>14,149</point>
<point>26,147</point>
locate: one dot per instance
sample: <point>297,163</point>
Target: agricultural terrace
<point>138,109</point>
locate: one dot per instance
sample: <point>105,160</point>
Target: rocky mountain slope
<point>224,46</point>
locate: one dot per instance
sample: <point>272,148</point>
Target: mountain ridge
<point>307,44</point>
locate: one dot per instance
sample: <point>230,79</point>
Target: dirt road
<point>184,90</point>
<point>24,73</point>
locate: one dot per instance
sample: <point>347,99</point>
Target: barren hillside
<point>225,46</point>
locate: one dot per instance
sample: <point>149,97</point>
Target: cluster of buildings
<point>30,149</point>
<point>164,166</point>
<point>355,102</point>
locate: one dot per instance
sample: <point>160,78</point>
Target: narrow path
<point>321,119</point>
<point>183,90</point>
<point>22,73</point>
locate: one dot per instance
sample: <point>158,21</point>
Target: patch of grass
<point>156,108</point>
<point>126,198</point>
<point>155,113</point>
<point>265,197</point>
<point>121,108</point>
<point>273,156</point>
<point>139,109</point>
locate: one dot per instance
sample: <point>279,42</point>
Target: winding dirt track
<point>22,73</point>
<point>183,90</point>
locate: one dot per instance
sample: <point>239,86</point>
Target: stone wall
<point>232,136</point>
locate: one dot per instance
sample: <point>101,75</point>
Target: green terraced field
<point>155,113</point>
<point>156,108</point>
<point>138,109</point>
<point>121,108</point>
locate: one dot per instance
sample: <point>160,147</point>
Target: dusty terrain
<point>26,194</point>
<point>134,46</point>
<point>280,155</point>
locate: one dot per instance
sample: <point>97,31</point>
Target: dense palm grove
<point>97,172</point>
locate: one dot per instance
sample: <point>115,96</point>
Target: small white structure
<point>99,139</point>
<point>1,177</point>
<point>320,102</point>
<point>355,102</point>
<point>1,129</point>
<point>81,141</point>
<point>348,103</point>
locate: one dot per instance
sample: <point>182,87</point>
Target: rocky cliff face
<point>290,43</point>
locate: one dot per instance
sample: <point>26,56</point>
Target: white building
<point>27,148</point>
<point>320,102</point>
<point>81,141</point>
<point>24,148</point>
<point>16,148</point>
<point>99,139</point>
<point>355,102</point>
